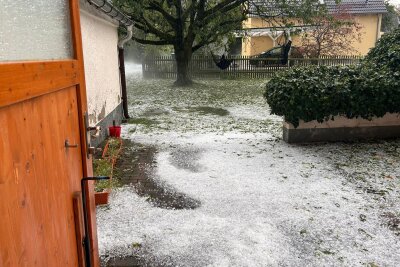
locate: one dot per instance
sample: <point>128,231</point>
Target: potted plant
<point>104,167</point>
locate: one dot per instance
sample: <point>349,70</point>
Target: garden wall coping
<point>343,129</point>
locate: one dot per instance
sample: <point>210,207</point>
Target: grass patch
<point>203,107</point>
<point>142,121</point>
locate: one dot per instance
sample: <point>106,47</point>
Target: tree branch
<point>157,7</point>
<point>221,5</point>
<point>212,37</point>
<point>152,42</point>
<point>208,16</point>
<point>203,43</point>
<point>190,33</point>
<point>150,28</point>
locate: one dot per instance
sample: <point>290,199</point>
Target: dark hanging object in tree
<point>285,53</point>
<point>222,63</point>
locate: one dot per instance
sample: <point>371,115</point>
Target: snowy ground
<point>263,202</point>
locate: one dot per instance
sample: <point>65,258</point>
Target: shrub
<point>386,52</point>
<point>320,92</point>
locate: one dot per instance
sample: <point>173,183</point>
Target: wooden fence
<point>241,67</point>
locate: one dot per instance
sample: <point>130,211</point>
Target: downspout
<point>122,69</point>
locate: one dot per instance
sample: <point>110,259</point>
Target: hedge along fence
<point>319,93</point>
<point>241,67</point>
<point>367,90</point>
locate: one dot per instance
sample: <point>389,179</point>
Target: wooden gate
<point>43,157</point>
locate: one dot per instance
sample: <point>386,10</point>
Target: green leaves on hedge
<point>319,92</point>
<point>386,52</point>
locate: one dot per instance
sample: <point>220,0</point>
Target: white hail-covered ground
<point>263,202</point>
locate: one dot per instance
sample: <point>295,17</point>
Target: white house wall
<point>100,53</point>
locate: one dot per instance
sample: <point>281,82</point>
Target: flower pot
<point>101,198</point>
<point>115,131</point>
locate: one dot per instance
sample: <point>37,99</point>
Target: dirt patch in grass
<point>204,110</point>
<point>155,112</point>
<point>134,168</point>
<point>125,262</point>
<point>392,221</point>
<point>186,158</point>
<point>142,121</point>
<point>133,261</point>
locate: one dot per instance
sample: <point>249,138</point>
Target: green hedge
<point>320,92</point>
<point>386,53</point>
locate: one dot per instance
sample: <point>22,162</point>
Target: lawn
<point>262,202</point>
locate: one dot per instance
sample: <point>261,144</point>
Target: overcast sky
<point>395,2</point>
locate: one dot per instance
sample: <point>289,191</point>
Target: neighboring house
<point>100,53</point>
<point>262,35</point>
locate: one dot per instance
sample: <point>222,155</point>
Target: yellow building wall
<point>256,45</point>
<point>296,40</point>
<point>369,33</point>
<point>370,25</point>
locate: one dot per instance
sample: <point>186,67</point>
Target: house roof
<point>108,9</point>
<point>269,7</point>
<point>272,8</point>
<point>357,6</point>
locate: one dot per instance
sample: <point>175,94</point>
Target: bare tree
<point>331,35</point>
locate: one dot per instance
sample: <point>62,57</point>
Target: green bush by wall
<point>369,89</point>
<point>386,53</point>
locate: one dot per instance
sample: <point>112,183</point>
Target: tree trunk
<point>183,55</point>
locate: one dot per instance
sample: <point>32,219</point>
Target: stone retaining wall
<point>343,129</point>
